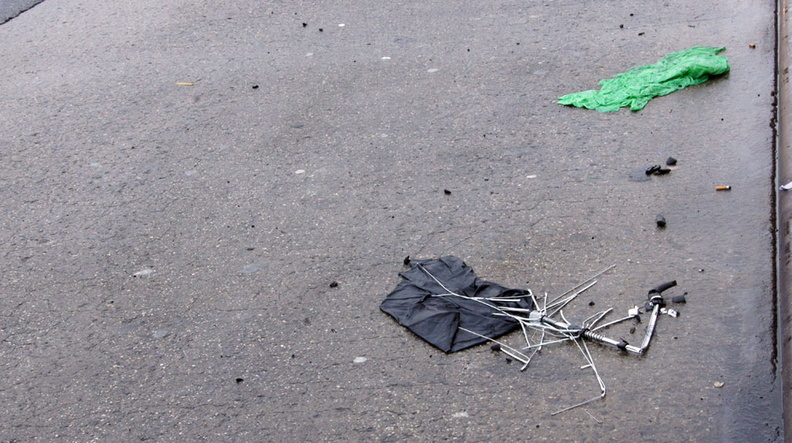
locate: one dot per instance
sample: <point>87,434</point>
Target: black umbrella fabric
<point>440,300</point>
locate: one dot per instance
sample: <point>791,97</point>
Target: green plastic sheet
<point>640,84</point>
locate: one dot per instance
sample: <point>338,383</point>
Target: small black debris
<point>661,221</point>
<point>621,26</point>
<point>641,33</point>
<point>240,380</point>
<point>679,299</point>
<point>652,169</point>
<point>334,284</point>
<point>671,161</point>
<point>496,347</point>
<point>632,330</point>
<point>407,261</point>
<point>591,303</point>
<point>662,171</point>
<point>446,192</point>
<point>255,86</point>
<point>508,361</point>
<point>321,30</point>
<point>305,25</point>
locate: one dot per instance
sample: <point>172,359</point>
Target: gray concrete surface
<point>784,208</point>
<point>12,8</point>
<point>168,250</point>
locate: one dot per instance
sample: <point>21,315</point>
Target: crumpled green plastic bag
<point>640,84</point>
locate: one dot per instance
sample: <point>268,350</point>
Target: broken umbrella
<point>443,302</point>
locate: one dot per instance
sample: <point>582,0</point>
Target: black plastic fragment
<point>671,161</point>
<point>407,261</point>
<point>660,220</point>
<point>446,192</point>
<point>652,169</point>
<point>679,299</point>
<point>334,284</point>
<point>622,345</point>
<point>496,347</point>
<point>662,171</point>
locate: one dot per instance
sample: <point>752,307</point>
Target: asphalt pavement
<point>206,202</point>
<point>12,8</point>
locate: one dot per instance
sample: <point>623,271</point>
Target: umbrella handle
<point>656,302</point>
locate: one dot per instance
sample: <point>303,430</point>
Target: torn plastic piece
<point>671,161</point>
<point>636,87</point>
<point>661,221</point>
<point>679,299</point>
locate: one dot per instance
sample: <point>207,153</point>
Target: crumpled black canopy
<point>422,303</point>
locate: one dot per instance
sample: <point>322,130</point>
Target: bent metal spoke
<point>562,330</point>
